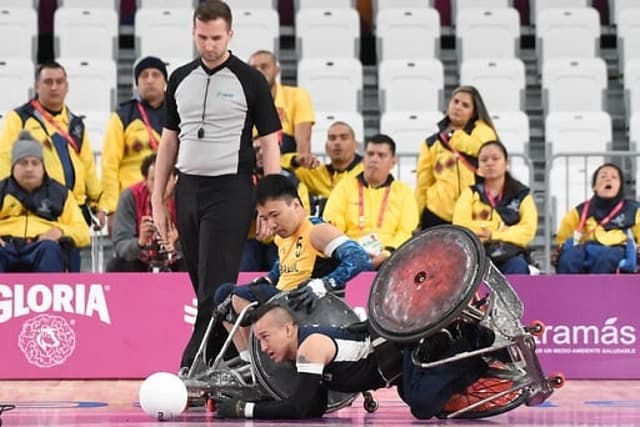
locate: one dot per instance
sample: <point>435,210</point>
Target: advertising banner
<point>129,325</point>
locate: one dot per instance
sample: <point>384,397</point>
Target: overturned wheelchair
<point>263,379</point>
<point>429,288</point>
<point>440,281</point>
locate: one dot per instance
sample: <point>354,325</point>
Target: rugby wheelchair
<point>442,279</point>
<point>435,282</point>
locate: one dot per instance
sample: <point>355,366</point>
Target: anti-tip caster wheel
<point>536,328</point>
<point>370,404</point>
<point>557,380</point>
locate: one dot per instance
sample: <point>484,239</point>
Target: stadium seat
<point>574,84</point>
<point>173,63</point>
<point>410,85</point>
<point>257,29</point>
<point>632,87</point>
<point>80,32</point>
<point>251,5</point>
<point>397,31</point>
<point>570,177</point>
<point>91,4</point>
<point>501,82</point>
<point>628,35</point>
<point>20,4</point>
<point>163,32</point>
<point>379,5</point>
<point>18,32</point>
<point>314,26</point>
<point>95,124</point>
<point>16,83</point>
<point>618,7</point>
<point>334,84</point>
<point>166,4</point>
<point>324,119</point>
<point>513,131</point>
<point>458,6</point>
<point>487,33</point>
<point>537,6</point>
<point>567,33</point>
<point>409,130</point>
<point>578,131</point>
<point>92,84</point>
<point>333,4</point>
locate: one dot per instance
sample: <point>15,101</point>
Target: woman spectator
<point>500,210</point>
<point>448,158</point>
<point>600,235</point>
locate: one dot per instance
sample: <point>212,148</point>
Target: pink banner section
<point>130,325</point>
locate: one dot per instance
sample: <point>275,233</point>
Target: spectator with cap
<point>133,132</point>
<point>41,225</point>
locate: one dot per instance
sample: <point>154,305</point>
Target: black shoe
<point>475,335</point>
<point>433,347</point>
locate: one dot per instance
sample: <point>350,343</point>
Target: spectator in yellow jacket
<point>449,158</point>
<point>133,132</point>
<point>372,207</point>
<point>601,234</point>
<point>68,157</point>
<point>321,179</point>
<point>292,103</point>
<point>500,210</point>
<point>38,216</point>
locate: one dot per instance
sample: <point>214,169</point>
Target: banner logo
<point>46,341</point>
<point>609,338</point>
<point>84,300</point>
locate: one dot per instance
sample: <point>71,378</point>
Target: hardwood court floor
<point>114,403</point>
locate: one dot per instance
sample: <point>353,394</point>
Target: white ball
<point>163,396</point>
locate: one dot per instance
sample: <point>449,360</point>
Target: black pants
<point>429,219</point>
<point>214,215</point>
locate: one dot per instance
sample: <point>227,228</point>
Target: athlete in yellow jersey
<point>313,256</point>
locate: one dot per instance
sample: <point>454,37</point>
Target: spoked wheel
<point>426,283</point>
<point>278,378</point>
<point>482,389</point>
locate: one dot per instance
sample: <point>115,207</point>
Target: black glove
<point>308,294</point>
<point>229,407</point>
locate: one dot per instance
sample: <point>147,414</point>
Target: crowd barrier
<point>78,326</point>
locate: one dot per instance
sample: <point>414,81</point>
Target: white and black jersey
<point>354,367</point>
<point>214,112</point>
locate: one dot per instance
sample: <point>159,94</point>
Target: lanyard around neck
<point>603,221</point>
<point>383,205</point>
<point>49,118</point>
<point>153,141</point>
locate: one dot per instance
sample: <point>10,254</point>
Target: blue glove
<point>308,294</point>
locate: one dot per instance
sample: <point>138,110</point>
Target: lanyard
<point>457,154</point>
<point>153,141</point>
<point>383,206</point>
<point>492,201</point>
<point>49,118</point>
<point>603,221</point>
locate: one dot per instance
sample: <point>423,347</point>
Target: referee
<point>212,105</point>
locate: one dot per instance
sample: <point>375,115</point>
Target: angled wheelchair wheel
<point>278,378</point>
<point>426,283</point>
